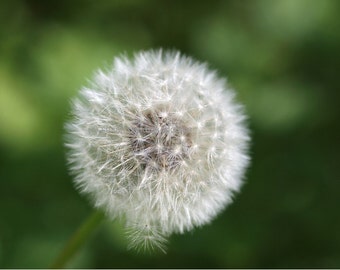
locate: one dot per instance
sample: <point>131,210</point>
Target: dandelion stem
<point>78,239</point>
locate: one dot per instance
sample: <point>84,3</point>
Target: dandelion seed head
<point>160,141</point>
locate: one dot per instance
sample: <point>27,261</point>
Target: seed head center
<point>160,140</point>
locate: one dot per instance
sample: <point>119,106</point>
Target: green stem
<point>78,238</point>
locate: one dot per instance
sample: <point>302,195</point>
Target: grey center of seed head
<point>160,140</point>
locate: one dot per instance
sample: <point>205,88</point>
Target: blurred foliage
<point>283,57</point>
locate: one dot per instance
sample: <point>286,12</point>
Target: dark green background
<point>283,59</point>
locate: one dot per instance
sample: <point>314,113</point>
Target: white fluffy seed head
<point>159,141</point>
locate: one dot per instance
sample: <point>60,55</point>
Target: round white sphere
<point>160,141</point>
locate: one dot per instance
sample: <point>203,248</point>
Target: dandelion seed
<point>159,141</point>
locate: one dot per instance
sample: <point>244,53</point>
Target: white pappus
<point>160,141</point>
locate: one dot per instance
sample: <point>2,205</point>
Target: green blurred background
<point>281,56</point>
